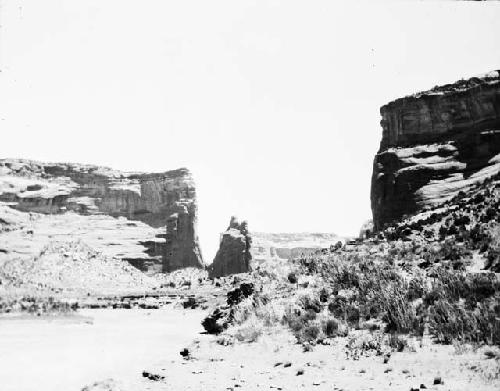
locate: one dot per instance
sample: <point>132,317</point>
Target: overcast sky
<point>274,106</point>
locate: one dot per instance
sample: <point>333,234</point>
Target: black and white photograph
<point>249,195</point>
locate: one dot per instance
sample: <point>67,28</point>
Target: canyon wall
<point>163,204</point>
<point>435,144</point>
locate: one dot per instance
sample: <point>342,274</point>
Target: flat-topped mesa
<point>435,144</point>
<point>444,112</point>
<point>151,198</point>
<point>234,254</point>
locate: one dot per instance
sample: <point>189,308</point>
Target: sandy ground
<point>69,353</point>
<point>261,366</point>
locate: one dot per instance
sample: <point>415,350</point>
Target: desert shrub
<point>493,257</point>
<point>396,342</point>
<point>365,343</point>
<point>431,297</point>
<point>308,302</point>
<point>352,315</point>
<point>488,322</point>
<point>330,327</point>
<point>310,333</point>
<point>216,322</point>
<point>399,314</point>
<point>323,295</point>
<point>454,286</point>
<point>493,260</point>
<point>250,331</point>
<point>270,313</point>
<point>258,306</point>
<point>338,306</point>
<point>304,323</point>
<point>479,238</point>
<point>490,213</point>
<point>310,264</point>
<point>452,251</point>
<point>244,310</point>
<point>462,220</point>
<point>481,286</point>
<point>416,288</point>
<point>446,284</point>
<point>367,284</point>
<point>236,295</point>
<point>449,322</point>
<point>295,319</point>
<point>292,278</point>
<point>37,305</point>
<point>428,233</point>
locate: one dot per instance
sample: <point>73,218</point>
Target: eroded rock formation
<point>435,144</point>
<point>234,254</point>
<point>157,211</point>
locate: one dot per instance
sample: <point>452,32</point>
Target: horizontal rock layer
<point>164,204</point>
<point>285,246</point>
<point>435,144</point>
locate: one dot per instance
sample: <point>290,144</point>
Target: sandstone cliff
<point>285,246</point>
<point>150,218</point>
<point>234,254</point>
<point>435,144</point>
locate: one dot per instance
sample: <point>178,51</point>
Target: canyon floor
<point>108,349</point>
<point>277,362</point>
<point>62,353</point>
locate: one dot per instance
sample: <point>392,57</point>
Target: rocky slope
<point>73,268</point>
<point>435,144</point>
<point>234,254</point>
<point>146,219</point>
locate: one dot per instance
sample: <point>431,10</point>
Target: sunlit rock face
<point>285,246</point>
<point>160,207</point>
<point>435,144</point>
<point>234,254</point>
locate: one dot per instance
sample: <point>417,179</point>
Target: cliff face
<point>435,144</point>
<point>234,254</point>
<point>164,203</point>
<point>285,246</point>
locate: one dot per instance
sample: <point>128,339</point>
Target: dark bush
<point>352,315</point>
<point>237,295</point>
<point>215,323</point>
<point>309,303</point>
<point>323,295</point>
<point>416,288</point>
<point>338,306</point>
<point>310,333</point>
<point>331,327</point>
<point>493,261</point>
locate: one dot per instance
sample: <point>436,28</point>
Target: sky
<point>273,105</point>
